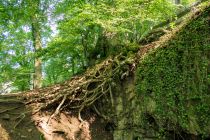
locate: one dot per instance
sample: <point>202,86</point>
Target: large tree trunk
<point>36,34</point>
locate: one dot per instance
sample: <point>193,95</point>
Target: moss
<point>175,77</point>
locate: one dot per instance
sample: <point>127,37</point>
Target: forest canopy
<point>43,42</point>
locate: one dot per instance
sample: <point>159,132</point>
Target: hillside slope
<point>160,91</point>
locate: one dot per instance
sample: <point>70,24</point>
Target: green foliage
<point>88,32</point>
<point>14,66</point>
<point>124,19</point>
<point>16,47</point>
<point>175,78</point>
<point>188,2</point>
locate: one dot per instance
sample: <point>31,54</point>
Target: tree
<point>25,21</point>
<point>36,35</point>
<point>90,23</point>
<point>109,87</point>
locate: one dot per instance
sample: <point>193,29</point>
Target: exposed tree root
<point>20,117</point>
<point>99,114</point>
<point>57,109</point>
<point>10,109</point>
<point>82,91</point>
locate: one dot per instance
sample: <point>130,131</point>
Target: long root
<point>82,91</point>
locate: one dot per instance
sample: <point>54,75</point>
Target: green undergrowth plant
<point>173,81</point>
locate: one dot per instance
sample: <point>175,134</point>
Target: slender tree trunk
<point>36,34</point>
<point>85,51</point>
<point>177,1</point>
<point>73,66</point>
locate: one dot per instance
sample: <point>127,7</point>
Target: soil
<point>17,123</point>
<point>66,126</point>
<point>3,134</point>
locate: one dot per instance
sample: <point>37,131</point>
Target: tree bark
<point>177,1</point>
<point>36,35</point>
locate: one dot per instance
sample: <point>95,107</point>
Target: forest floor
<point>18,123</point>
<point>67,126</point>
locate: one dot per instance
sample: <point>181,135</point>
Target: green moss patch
<point>175,78</point>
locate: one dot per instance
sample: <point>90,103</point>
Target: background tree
<point>25,27</point>
<point>37,43</point>
<point>87,32</point>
